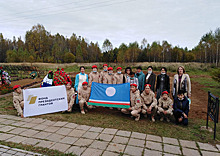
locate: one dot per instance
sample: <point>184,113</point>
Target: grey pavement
<point>92,141</point>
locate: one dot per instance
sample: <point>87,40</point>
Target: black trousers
<point>177,115</point>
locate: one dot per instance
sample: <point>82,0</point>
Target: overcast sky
<point>180,22</point>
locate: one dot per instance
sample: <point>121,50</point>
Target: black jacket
<point>151,80</point>
<point>166,83</point>
<point>181,106</point>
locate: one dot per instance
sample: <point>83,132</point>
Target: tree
<point>79,56</point>
<point>69,57</point>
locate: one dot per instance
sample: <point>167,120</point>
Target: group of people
<point>142,92</point>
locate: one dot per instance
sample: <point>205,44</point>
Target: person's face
<point>110,72</point>
<point>105,68</point>
<point>132,76</point>
<point>165,96</point>
<point>68,86</point>
<point>18,90</point>
<point>133,89</point>
<point>119,71</point>
<point>180,70</point>
<point>149,70</point>
<point>163,71</point>
<point>94,70</point>
<point>85,86</point>
<point>147,89</point>
<point>82,70</point>
<point>180,96</point>
<point>128,71</point>
<point>138,70</point>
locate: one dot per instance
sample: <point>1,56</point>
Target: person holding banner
<point>149,102</point>
<point>109,78</point>
<point>70,96</point>
<point>119,77</point>
<point>83,96</point>
<point>136,103</point>
<point>94,76</point>
<point>80,78</point>
<point>103,73</point>
<point>18,100</point>
<point>165,108</point>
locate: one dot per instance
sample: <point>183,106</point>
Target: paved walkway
<point>94,141</point>
<point>8,151</point>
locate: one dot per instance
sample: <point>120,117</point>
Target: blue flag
<point>110,95</point>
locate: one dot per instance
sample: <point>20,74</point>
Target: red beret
<point>119,68</point>
<point>147,85</point>
<point>105,65</point>
<point>133,84</point>
<point>85,83</point>
<point>165,92</point>
<point>1,67</point>
<point>16,86</point>
<point>110,68</point>
<point>94,66</point>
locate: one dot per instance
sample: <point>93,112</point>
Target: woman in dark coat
<point>150,78</point>
<point>163,82</point>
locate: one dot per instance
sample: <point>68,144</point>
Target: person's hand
<point>180,119</point>
<point>86,103</point>
<point>25,88</point>
<point>164,112</point>
<point>22,115</point>
<point>130,109</point>
<point>185,116</point>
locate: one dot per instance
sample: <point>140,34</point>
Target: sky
<point>181,22</point>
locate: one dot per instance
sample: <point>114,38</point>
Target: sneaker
<point>152,118</point>
<point>161,119</point>
<point>82,112</point>
<point>168,120</point>
<point>137,118</point>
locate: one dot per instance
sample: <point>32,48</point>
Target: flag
<point>110,95</point>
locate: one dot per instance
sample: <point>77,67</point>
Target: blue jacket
<point>141,80</point>
<point>181,105</point>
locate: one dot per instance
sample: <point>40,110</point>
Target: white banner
<point>44,100</point>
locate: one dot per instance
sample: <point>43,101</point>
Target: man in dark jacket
<point>150,77</point>
<point>181,108</point>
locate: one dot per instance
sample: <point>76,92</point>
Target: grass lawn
<point>104,117</point>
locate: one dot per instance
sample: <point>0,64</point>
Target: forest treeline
<point>41,46</point>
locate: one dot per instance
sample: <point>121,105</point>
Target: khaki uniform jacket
<point>94,77</point>
<point>18,101</point>
<point>135,100</point>
<point>84,94</point>
<point>118,78</point>
<point>102,74</point>
<point>70,96</point>
<point>165,105</point>
<point>109,79</point>
<point>175,84</point>
<point>149,100</point>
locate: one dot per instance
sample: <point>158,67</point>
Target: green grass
<point>106,118</point>
<point>44,151</point>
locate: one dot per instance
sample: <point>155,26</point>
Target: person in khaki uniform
<point>136,103</point>
<point>103,73</point>
<point>119,77</point>
<point>18,100</point>
<point>165,109</point>
<point>70,96</point>
<point>94,76</point>
<point>149,102</point>
<point>109,78</point>
<point>83,96</point>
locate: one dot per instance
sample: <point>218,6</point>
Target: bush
<point>216,74</point>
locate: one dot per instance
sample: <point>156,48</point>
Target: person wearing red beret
<point>103,73</point>
<point>109,78</point>
<point>83,96</point>
<point>136,103</point>
<point>119,77</point>
<point>18,100</point>
<point>70,96</point>
<point>149,102</point>
<point>165,108</point>
<point>94,76</point>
